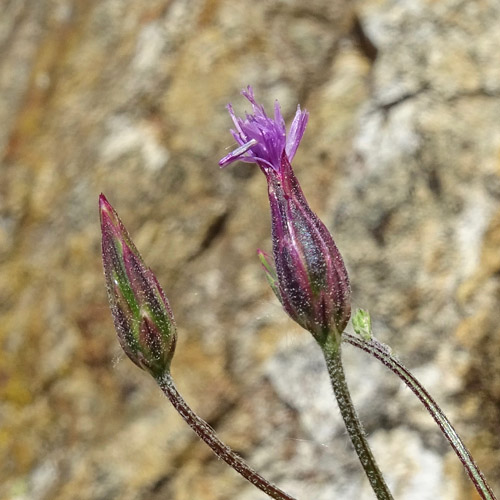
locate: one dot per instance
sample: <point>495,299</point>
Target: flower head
<point>263,140</point>
<point>141,313</point>
<point>311,280</point>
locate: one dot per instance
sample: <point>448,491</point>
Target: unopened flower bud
<point>141,313</point>
<point>311,277</point>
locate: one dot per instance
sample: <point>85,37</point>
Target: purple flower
<point>141,313</point>
<point>263,140</point>
<point>311,280</point>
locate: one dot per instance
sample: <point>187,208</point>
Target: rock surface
<point>401,159</point>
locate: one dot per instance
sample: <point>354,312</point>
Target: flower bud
<point>311,277</point>
<point>141,313</point>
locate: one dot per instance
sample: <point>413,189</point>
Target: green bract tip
<point>362,324</point>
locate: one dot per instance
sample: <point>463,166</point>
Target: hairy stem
<point>354,427</point>
<point>207,434</point>
<point>383,354</point>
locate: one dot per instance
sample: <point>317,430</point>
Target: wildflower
<point>141,313</point>
<point>311,279</point>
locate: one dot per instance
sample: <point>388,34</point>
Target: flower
<point>311,280</point>
<point>263,140</point>
<point>141,313</point>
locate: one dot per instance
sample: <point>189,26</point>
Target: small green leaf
<point>362,324</point>
<point>272,279</point>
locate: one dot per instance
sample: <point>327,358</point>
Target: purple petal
<point>297,130</point>
<point>235,155</point>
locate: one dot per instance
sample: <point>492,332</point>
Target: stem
<point>207,434</point>
<point>383,354</point>
<point>354,427</point>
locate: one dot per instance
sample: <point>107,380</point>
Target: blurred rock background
<point>401,159</point>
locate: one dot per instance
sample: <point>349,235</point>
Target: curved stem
<point>383,354</point>
<point>207,434</point>
<point>354,427</point>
